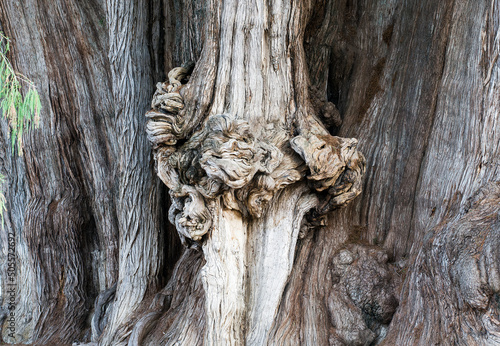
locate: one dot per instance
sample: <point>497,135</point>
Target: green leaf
<point>20,112</point>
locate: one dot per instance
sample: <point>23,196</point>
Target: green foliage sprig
<point>21,112</point>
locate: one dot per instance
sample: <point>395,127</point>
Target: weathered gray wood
<point>458,275</point>
<point>132,66</point>
<point>416,82</point>
<point>393,73</point>
<point>78,207</point>
<point>51,282</point>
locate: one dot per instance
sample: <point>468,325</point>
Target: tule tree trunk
<point>245,138</point>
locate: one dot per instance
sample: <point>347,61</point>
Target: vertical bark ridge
<point>48,235</point>
<point>242,92</point>
<point>307,288</point>
<point>412,126</point>
<point>274,249</point>
<point>373,83</point>
<point>467,115</point>
<point>182,319</point>
<point>224,275</point>
<point>16,193</point>
<point>452,258</point>
<point>69,168</point>
<point>137,202</point>
<point>57,212</point>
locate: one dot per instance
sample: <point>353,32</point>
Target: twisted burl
<point>363,296</point>
<point>224,159</point>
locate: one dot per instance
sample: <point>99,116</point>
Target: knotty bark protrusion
<point>223,179</point>
<point>225,159</point>
<point>363,296</point>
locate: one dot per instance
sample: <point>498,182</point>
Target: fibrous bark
<point>249,146</point>
<point>53,299</point>
<point>82,196</point>
<point>225,179</point>
<point>458,275</point>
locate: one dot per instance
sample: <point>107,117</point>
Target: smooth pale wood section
<point>272,241</point>
<point>224,278</point>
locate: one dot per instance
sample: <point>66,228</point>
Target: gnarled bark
<point>255,144</point>
<point>241,187</point>
<point>458,275</point>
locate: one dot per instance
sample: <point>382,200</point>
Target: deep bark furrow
<point>137,203</point>
<point>55,215</point>
<point>415,81</point>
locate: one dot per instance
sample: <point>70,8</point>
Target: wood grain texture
<point>459,257</point>
<point>399,58</point>
<point>416,82</point>
<point>76,208</point>
<point>54,297</point>
<point>236,191</point>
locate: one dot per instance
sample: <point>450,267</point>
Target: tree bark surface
<point>83,202</point>
<point>416,82</point>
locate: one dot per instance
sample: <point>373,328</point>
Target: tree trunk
<point>90,208</point>
<point>246,141</point>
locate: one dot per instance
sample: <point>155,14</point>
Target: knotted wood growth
<point>402,76</point>
<point>227,180</point>
<point>224,159</point>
